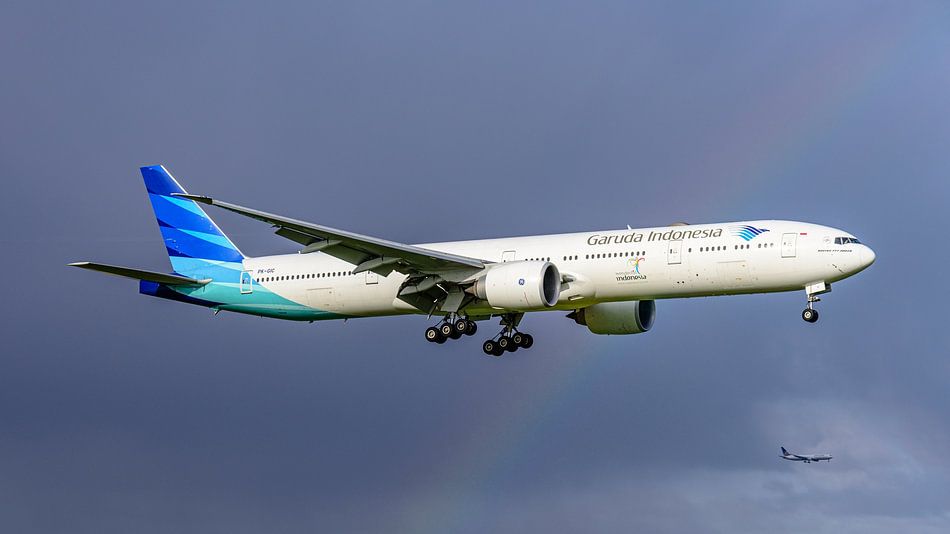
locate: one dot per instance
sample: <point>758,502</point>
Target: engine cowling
<point>617,318</point>
<point>521,285</point>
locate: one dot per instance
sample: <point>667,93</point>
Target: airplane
<point>807,458</point>
<point>608,281</point>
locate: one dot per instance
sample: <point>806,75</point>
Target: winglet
<point>784,452</point>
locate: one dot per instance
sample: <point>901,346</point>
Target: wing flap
<point>139,274</point>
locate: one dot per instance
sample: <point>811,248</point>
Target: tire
<point>461,327</point>
<point>471,328</point>
<point>498,351</point>
<point>455,334</point>
<point>489,347</point>
<point>433,335</point>
<point>527,342</point>
<point>503,342</point>
<point>810,315</point>
<point>512,346</point>
<point>518,339</point>
<point>446,330</point>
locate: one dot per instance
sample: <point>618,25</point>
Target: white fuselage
<point>615,265</point>
<point>807,458</point>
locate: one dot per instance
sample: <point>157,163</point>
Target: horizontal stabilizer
<point>138,274</point>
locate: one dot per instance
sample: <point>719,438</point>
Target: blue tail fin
<point>191,237</point>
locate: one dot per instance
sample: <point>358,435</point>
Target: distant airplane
<point>807,458</point>
<point>607,280</point>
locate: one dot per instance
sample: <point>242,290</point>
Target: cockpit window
<point>846,240</point>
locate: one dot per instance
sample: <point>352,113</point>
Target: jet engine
<point>521,285</point>
<point>617,318</point>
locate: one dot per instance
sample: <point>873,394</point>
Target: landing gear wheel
<point>446,330</point>
<point>471,328</point>
<point>433,335</point>
<point>503,343</point>
<point>491,348</point>
<point>460,326</point>
<point>810,315</point>
<point>512,346</point>
<point>518,339</point>
<point>527,341</point>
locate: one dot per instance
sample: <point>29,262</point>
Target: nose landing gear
<point>810,314</point>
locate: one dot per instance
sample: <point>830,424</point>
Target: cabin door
<point>788,245</point>
<point>674,252</point>
<point>247,283</point>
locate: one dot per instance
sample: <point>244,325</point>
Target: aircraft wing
<point>365,252</point>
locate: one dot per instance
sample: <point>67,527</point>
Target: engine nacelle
<point>520,285</point>
<point>617,318</point>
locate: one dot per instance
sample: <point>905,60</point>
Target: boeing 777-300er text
<point>608,281</point>
<point>807,458</point>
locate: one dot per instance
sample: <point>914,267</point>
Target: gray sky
<point>418,122</point>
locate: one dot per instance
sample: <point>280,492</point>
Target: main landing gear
<point>504,342</point>
<point>810,314</point>
<point>451,328</point>
<point>509,339</point>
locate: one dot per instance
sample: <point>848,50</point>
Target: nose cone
<point>867,256</point>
